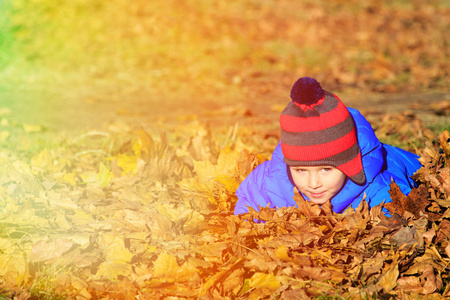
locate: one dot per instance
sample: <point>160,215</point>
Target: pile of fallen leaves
<point>153,219</point>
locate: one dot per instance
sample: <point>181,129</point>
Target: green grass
<point>410,141</point>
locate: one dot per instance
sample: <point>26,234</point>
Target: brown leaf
<point>429,235</point>
<point>415,202</point>
<point>246,162</point>
<point>432,283</point>
<point>388,224</point>
<point>397,204</point>
<point>297,294</point>
<point>433,179</point>
<point>233,282</point>
<point>314,273</point>
<point>259,263</point>
<point>372,267</point>
<point>359,218</point>
<point>410,283</point>
<point>443,233</point>
<point>306,208</point>
<point>45,250</point>
<point>444,179</point>
<point>160,225</point>
<point>444,138</point>
<point>420,226</point>
<point>404,236</point>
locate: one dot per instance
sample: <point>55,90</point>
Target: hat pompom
<point>306,90</point>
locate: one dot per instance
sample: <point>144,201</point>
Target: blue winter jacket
<point>269,182</point>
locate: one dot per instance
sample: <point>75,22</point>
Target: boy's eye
<point>326,169</point>
<point>299,170</point>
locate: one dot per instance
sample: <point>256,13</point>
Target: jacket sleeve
<point>400,165</point>
<point>267,184</point>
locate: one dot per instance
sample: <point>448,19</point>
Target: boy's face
<point>318,183</point>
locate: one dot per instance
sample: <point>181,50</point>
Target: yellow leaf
<point>117,257</point>
<point>264,280</point>
<point>264,284</point>
<point>227,160</point>
<point>225,167</point>
<point>230,183</point>
<point>388,280</point>
<point>42,160</point>
<point>187,272</point>
<point>174,212</point>
<point>113,248</point>
<point>143,147</point>
<point>14,268</point>
<point>160,225</point>
<point>81,218</point>
<point>104,176</point>
<point>323,228</point>
<point>204,188</point>
<point>62,203</point>
<point>5,245</point>
<point>128,163</point>
<point>137,149</point>
<point>23,216</point>
<point>70,178</point>
<point>165,266</point>
<point>134,219</point>
<point>205,170</point>
<point>113,268</point>
<point>281,253</point>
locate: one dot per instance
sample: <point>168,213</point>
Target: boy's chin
<point>319,201</point>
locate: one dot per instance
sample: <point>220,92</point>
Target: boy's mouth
<point>316,195</point>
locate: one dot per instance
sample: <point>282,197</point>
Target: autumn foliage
<point>152,219</point>
<point>119,213</point>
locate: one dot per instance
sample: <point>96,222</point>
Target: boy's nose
<point>313,181</point>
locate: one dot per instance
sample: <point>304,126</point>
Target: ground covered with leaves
<point>116,212</point>
<point>126,215</point>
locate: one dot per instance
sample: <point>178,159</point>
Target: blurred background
<point>79,63</point>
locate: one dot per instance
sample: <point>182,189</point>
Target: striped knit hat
<point>317,129</point>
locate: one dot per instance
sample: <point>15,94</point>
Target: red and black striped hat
<point>318,130</point>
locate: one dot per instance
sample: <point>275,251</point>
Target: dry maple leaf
<point>415,202</point>
<point>444,141</point>
<point>306,208</point>
<point>405,235</point>
<point>45,250</point>
<point>398,199</point>
<point>443,234</point>
<point>389,224</point>
<point>432,282</point>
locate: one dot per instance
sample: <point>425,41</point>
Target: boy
<point>328,152</point>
